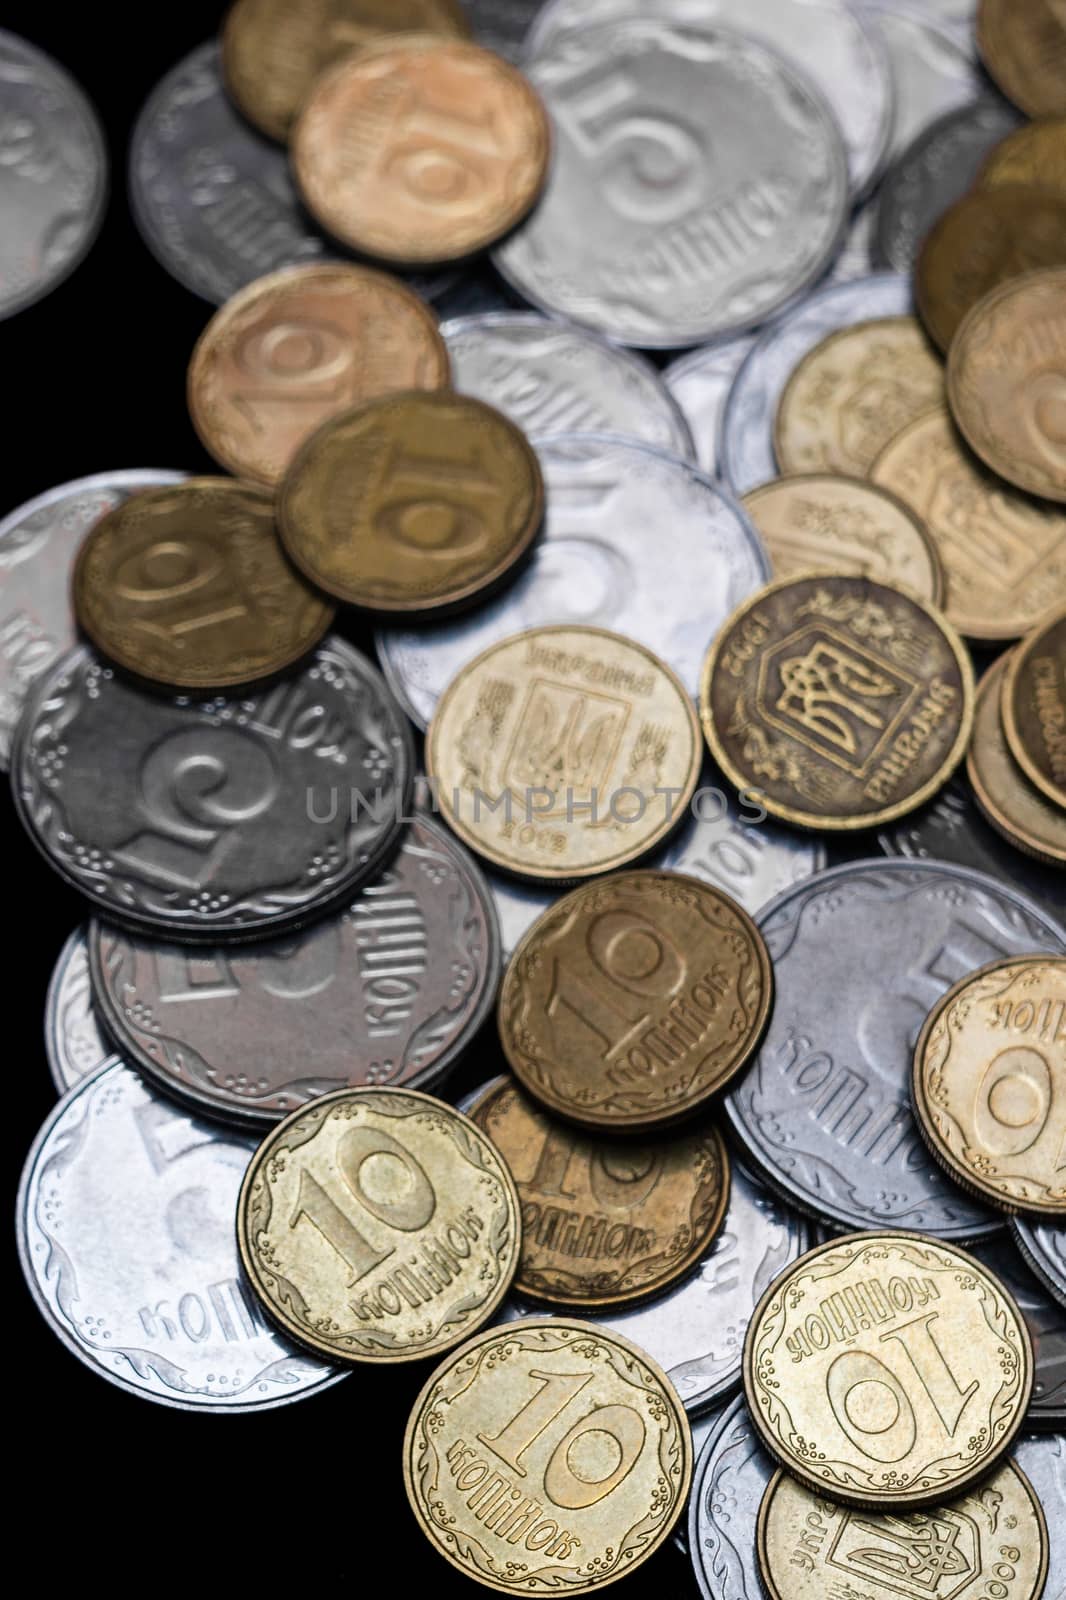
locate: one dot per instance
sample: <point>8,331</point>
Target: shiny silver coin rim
<point>727,1416</point>
<point>1022,1231</point>
<point>248,1118</point>
<point>54,1044</point>
<point>33,1155</point>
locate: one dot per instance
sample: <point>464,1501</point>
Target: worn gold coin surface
<point>412,503</point>
<point>842,701</point>
<point>989,1083</point>
<point>630,1002</point>
<point>421,149</point>
<point>188,586</point>
<point>563,752</point>
<point>1033,154</point>
<point>1003,552</point>
<point>1034,707</point>
<point>822,522</point>
<point>852,393</point>
<point>985,239</point>
<point>1023,47</point>
<point>604,1222</point>
<point>378,1225</point>
<point>887,1369</point>
<point>298,346</point>
<point>547,1456</point>
<point>1007,381</point>
<point>1013,805</point>
<point>273,50</point>
<point>990,1540</point>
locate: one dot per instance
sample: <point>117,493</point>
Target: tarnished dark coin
<point>1034,707</point>
<point>221,818</point>
<point>842,702</point>
<point>1023,47</point>
<point>1034,154</point>
<point>604,1223</point>
<point>632,1001</point>
<point>1016,808</point>
<point>389,991</point>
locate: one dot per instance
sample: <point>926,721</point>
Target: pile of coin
<point>669,1053</point>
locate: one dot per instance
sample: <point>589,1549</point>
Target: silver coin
<point>958,17</point>
<point>700,382</point>
<point>73,1042</point>
<point>1044,1247</point>
<point>391,991</point>
<point>53,174</point>
<point>833,46</point>
<point>660,225</point>
<point>38,543</point>
<point>1047,1330</point>
<point>1042,1457</point>
<point>861,953</point>
<point>932,71</point>
<point>732,1471</point>
<point>213,818</point>
<point>125,1233</point>
<point>701,1428</point>
<point>502,25</point>
<point>934,171</point>
<point>599,561</point>
<point>723,841</point>
<point>951,828</point>
<point>696,1332</point>
<point>856,253</point>
<point>213,200</point>
<point>746,445</point>
<point>553,377</point>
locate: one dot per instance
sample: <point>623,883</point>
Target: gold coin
<point>840,702</point>
<point>604,1223</point>
<point>820,522</point>
<point>1007,382</point>
<point>299,346</point>
<point>989,1083</point>
<point>887,1369</point>
<point>1003,552</point>
<point>188,586</point>
<point>1034,707</point>
<point>378,1225</point>
<point>1013,806</point>
<point>852,393</point>
<point>564,751</point>
<point>630,1002</point>
<point>412,503</point>
<point>983,240</point>
<point>547,1455</point>
<point>992,1540</point>
<point>273,50</point>
<point>1023,47</point>
<point>421,149</point>
<point>1034,154</point>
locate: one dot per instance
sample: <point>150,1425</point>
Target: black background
<point>109,1487</point>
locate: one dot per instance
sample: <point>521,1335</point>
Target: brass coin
<point>378,1225</point>
<point>820,522</point>
<point>299,346</point>
<point>853,393</point>
<point>842,702</point>
<point>1007,381</point>
<point>421,150</point>
<point>1023,47</point>
<point>1033,154</point>
<point>604,1223</point>
<point>985,239</point>
<point>887,1369</point>
<point>989,1083</point>
<point>630,1002</point>
<point>188,586</point>
<point>1004,553</point>
<point>1034,707</point>
<point>992,1540</point>
<point>273,50</point>
<point>547,1455</point>
<point>1014,806</point>
<point>564,751</point>
<point>412,503</point>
